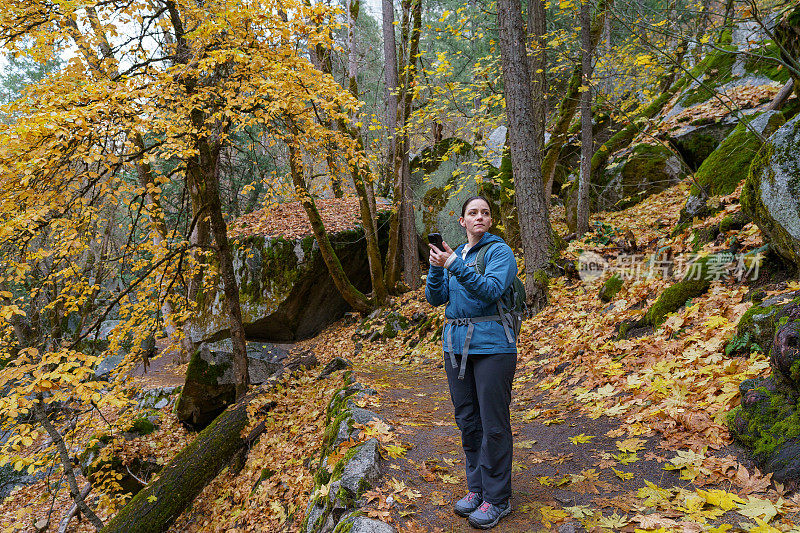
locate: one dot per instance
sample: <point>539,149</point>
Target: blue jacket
<point>468,294</point>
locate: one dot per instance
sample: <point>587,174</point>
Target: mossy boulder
<point>610,288</point>
<point>756,328</point>
<point>771,194</point>
<point>636,173</point>
<point>442,178</point>
<point>285,290</point>
<point>210,385</point>
<point>728,165</point>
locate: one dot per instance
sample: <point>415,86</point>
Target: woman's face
<point>477,218</point>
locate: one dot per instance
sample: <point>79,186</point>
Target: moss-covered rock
<point>610,288</point>
<point>209,388</point>
<point>771,194</point>
<point>285,290</point>
<point>756,328</point>
<point>727,166</point>
<point>442,177</point>
<point>636,173</point>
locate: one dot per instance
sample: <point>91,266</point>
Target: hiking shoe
<point>488,515</point>
<point>467,504</point>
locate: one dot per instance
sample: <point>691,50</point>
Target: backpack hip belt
<point>470,322</point>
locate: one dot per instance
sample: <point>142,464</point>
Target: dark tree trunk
<point>582,225</point>
<point>525,155</point>
<point>411,270</point>
<point>392,270</point>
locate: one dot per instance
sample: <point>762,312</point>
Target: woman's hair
<point>470,199</point>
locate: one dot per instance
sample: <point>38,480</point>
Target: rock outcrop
<point>728,165</point>
<point>442,177</point>
<point>768,419</point>
<point>771,195</point>
<point>210,386</point>
<point>285,290</point>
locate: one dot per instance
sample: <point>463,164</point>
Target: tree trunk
<point>525,154</point>
<point>586,122</point>
<point>567,108</point>
<point>226,271</point>
<point>537,28</point>
<point>352,296</point>
<point>360,174</point>
<point>411,270</point>
<point>157,506</point>
<point>392,270</point>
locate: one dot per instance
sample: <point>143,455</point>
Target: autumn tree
<point>83,234</point>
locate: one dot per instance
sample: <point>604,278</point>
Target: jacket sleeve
<point>437,291</point>
<point>500,269</point>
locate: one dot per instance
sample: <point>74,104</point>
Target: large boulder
<point>210,386</point>
<point>771,195</point>
<point>286,292</point>
<point>442,178</point>
<point>727,166</point>
<point>638,172</point>
<point>633,174</point>
<point>738,76</point>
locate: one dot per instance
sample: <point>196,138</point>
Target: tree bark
<point>392,270</point>
<point>525,154</point>
<point>582,225</point>
<point>360,174</point>
<point>352,296</point>
<point>411,270</point>
<point>567,108</point>
<point>157,506</point>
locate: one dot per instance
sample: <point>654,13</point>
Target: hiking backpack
<point>512,302</point>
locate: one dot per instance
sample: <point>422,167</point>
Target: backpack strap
<point>480,268</point>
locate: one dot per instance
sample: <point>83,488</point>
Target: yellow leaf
<point>581,439</point>
<point>151,498</point>
<point>550,515</point>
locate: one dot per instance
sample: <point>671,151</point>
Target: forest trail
<point>414,399</point>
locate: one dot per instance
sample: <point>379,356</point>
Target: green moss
<point>766,62</point>
<point>724,169</point>
<point>769,423</point>
<point>611,287</point>
<point>200,371</point>
<point>735,221</point>
<point>345,526</point>
<point>143,426</point>
<point>695,283</point>
<point>716,69</point>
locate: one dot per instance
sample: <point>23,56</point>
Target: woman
<point>480,358</point>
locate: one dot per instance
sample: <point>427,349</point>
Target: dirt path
<point>551,473</point>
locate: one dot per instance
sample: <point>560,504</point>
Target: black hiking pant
<point>481,401</point>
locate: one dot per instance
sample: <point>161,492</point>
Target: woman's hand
<point>438,257</point>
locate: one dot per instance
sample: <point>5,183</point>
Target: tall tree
<point>585,177</point>
<point>392,270</point>
<point>526,160</point>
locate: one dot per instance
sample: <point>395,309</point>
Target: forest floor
<point>609,435</point>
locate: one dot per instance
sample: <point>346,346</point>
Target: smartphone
<point>436,240</point>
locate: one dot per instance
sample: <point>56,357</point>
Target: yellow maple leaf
<point>581,439</point>
<point>719,498</point>
<point>551,515</point>
<point>630,445</point>
<point>623,475</point>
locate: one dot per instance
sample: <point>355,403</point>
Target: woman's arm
<point>499,272</point>
<point>436,288</point>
